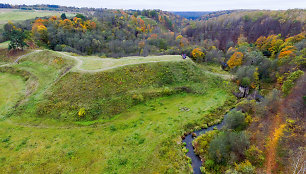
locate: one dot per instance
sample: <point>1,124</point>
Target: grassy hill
<point>133,115</point>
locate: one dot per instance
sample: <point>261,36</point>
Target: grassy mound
<point>92,63</point>
<point>104,94</point>
<point>140,113</point>
<point>40,71</point>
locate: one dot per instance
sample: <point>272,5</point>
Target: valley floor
<point>134,141</point>
<point>143,139</point>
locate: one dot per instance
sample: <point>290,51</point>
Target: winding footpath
<point>20,57</point>
<point>79,63</point>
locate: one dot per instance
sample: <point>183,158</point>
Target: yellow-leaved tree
<point>235,60</point>
<point>197,54</point>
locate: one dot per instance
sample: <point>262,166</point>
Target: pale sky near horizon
<point>172,5</point>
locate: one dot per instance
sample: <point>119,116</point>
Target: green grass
<point>140,140</point>
<point>4,45</point>
<point>215,68</point>
<point>108,93</point>
<point>11,89</point>
<point>93,63</point>
<point>15,15</point>
<point>133,120</point>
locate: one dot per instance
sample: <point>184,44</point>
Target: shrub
<point>247,106</point>
<point>58,48</point>
<point>290,82</point>
<point>167,91</point>
<point>245,167</point>
<point>255,156</point>
<point>228,146</point>
<point>201,143</point>
<point>246,81</point>
<point>82,112</point>
<point>198,55</point>
<point>235,60</point>
<point>235,120</point>
<point>138,98</point>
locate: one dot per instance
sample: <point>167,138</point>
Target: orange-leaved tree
<point>288,51</point>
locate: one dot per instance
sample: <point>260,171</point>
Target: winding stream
<point>195,159</point>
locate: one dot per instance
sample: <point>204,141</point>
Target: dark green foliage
<point>63,16</point>
<point>228,147</point>
<point>235,120</point>
<point>16,36</point>
<point>201,143</point>
<point>81,16</point>
<point>246,81</point>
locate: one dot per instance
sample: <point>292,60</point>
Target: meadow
<point>16,15</point>
<point>137,129</point>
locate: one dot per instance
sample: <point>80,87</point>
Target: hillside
<point>226,29</point>
<point>135,106</point>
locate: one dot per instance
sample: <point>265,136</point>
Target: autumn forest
<point>133,91</point>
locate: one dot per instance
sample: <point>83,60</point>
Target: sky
<point>172,5</point>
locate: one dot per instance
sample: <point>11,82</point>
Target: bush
<point>137,98</point>
<point>235,120</point>
<point>247,106</point>
<point>228,146</point>
<point>245,168</point>
<point>246,81</point>
<point>201,143</point>
<point>58,48</point>
<point>198,55</point>
<point>255,156</point>
<point>82,112</point>
<point>290,82</point>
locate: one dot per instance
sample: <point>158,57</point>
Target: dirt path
<point>20,57</point>
<point>274,136</point>
<point>35,51</point>
<point>80,63</point>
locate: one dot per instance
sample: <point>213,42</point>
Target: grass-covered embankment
<point>139,111</point>
<point>11,89</point>
<point>107,93</point>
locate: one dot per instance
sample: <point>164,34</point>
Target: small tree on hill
<point>16,36</point>
<point>235,60</point>
<point>198,55</point>
<point>63,16</point>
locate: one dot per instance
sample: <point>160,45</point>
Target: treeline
<point>226,29</point>
<point>119,33</point>
<point>116,33</point>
